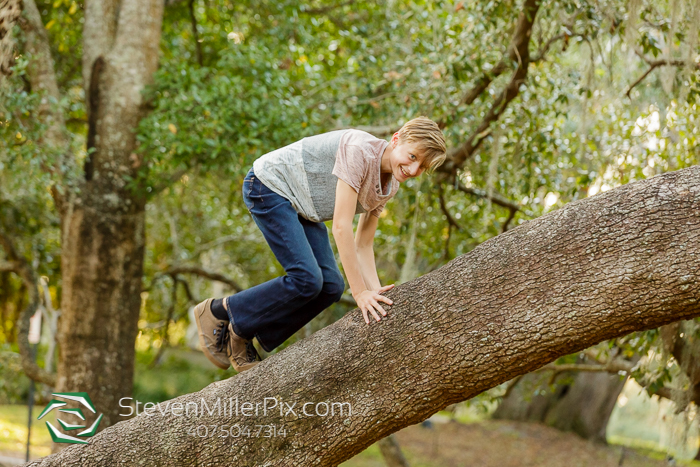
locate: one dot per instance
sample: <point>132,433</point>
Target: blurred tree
<point>581,402</point>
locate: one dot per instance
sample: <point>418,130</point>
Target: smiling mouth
<point>404,173</point>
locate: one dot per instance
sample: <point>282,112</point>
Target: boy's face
<point>406,160</point>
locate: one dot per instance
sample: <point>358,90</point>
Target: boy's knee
<point>334,287</point>
<point>310,284</point>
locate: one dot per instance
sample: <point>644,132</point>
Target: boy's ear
<point>395,139</point>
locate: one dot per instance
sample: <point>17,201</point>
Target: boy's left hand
<point>368,302</point>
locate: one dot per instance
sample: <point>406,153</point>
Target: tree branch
<point>169,181</point>
<point>198,45</point>
<point>519,49</point>
<point>565,36</point>
<point>186,286</point>
<point>450,220</point>
<point>507,222</point>
<point>11,14</point>
<point>325,9</point>
<point>614,366</point>
<point>169,316</point>
<point>495,198</point>
<point>654,64</point>
<point>24,270</point>
<point>199,271</point>
<point>11,266</point>
<point>511,385</point>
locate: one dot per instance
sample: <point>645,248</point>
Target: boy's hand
<point>368,302</point>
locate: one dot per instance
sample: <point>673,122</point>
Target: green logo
<point>82,398</point>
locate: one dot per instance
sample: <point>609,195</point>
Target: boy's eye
<point>413,157</point>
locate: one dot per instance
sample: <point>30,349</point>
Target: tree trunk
<point>583,405</point>
<point>586,407</point>
<point>103,226</point>
<point>102,267</point>
<point>102,220</point>
<point>391,452</point>
<point>622,261</point>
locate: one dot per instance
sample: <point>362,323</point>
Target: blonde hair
<point>428,136</point>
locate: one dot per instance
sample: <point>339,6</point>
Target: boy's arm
<point>367,300</point>
<point>364,242</point>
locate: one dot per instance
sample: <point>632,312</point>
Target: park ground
<point>496,443</point>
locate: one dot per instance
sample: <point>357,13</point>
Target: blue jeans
<point>276,309</point>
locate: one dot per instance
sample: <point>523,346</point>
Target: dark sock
<point>218,310</point>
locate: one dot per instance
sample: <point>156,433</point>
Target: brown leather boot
<point>241,352</point>
<point>212,333</point>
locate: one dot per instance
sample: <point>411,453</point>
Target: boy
<point>290,192</point>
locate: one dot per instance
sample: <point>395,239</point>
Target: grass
<point>13,431</point>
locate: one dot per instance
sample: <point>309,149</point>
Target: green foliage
<point>14,385</point>
<point>176,375</point>
<point>270,73</point>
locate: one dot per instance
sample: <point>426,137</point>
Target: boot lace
<point>251,354</point>
<point>222,336</point>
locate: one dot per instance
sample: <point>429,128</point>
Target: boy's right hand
<point>368,302</point>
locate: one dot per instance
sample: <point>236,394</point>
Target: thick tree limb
<point>624,260</point>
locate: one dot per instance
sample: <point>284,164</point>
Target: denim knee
<point>334,287</point>
<point>308,283</point>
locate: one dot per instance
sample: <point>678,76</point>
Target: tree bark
<point>621,261</point>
